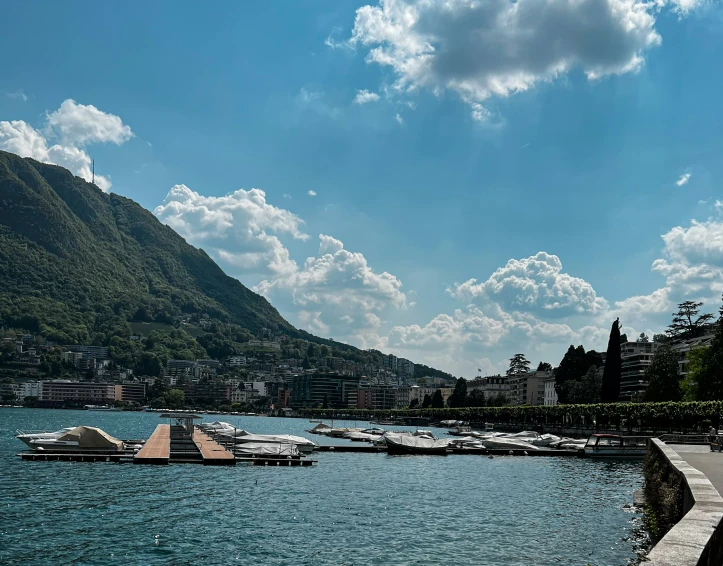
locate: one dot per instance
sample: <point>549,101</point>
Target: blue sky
<point>443,145</point>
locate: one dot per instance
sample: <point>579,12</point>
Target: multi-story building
<point>72,358</point>
<point>133,392</point>
<point>685,346</point>
<point>314,389</point>
<point>390,362</point>
<point>236,361</point>
<point>528,388</point>
<point>97,352</point>
<point>636,357</point>
<point>59,392</point>
<point>405,367</point>
<point>490,386</point>
<point>402,396</point>
<point>377,397</point>
<point>550,391</point>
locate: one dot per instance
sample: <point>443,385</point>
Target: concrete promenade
<point>703,460</point>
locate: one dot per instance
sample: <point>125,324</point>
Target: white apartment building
<point>550,391</point>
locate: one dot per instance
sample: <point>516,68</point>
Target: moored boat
<point>410,444</point>
<point>27,436</point>
<point>616,446</point>
<point>79,439</point>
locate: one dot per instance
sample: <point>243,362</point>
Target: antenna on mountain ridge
<point>92,166</point>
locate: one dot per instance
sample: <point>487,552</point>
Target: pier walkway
<point>157,450</point>
<point>213,453</point>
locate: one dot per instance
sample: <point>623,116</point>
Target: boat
<point>79,439</point>
<point>507,443</point>
<point>410,444</point>
<point>616,446</point>
<point>102,408</point>
<point>28,435</point>
<point>321,428</point>
<point>251,449</point>
<point>460,430</point>
<point>241,437</point>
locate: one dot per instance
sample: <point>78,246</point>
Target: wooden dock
<point>157,449</point>
<point>212,452</point>
<point>118,457</point>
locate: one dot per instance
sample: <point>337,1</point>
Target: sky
<point>451,182</point>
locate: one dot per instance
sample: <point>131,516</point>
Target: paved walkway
<point>703,460</point>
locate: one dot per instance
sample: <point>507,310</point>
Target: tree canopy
<point>518,364</point>
<point>687,323</point>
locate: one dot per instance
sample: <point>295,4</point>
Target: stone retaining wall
<point>697,539</point>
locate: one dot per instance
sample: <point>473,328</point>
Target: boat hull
<point>615,453</point>
<point>395,448</point>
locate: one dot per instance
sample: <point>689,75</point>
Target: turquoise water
<point>351,509</point>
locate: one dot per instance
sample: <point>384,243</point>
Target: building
<point>550,391</point>
<point>133,392</point>
<point>490,386</point>
<point>236,361</point>
<point>322,389</point>
<point>377,397</point>
<point>405,367</point>
<point>72,358</point>
<point>401,396</point>
<point>635,359</point>
<point>528,388</point>
<point>685,346</point>
<point>60,392</point>
<point>97,352</point>
<point>390,362</point>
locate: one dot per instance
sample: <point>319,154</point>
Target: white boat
<point>507,443</point>
<point>102,408</point>
<point>27,436</point>
<point>241,437</point>
<point>79,439</point>
<point>544,440</point>
<point>251,449</point>
<point>410,444</point>
<point>616,446</point>
<point>216,427</point>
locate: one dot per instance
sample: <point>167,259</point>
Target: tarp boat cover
<point>92,438</point>
<point>244,437</point>
<point>507,443</point>
<point>266,449</point>
<point>411,444</point>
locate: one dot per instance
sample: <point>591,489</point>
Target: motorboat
<point>101,408</point>
<point>410,444</point>
<point>340,432</point>
<point>27,436</point>
<point>424,434</point>
<point>321,428</point>
<point>79,439</point>
<point>363,437</point>
<point>616,446</point>
<point>460,430</point>
<point>251,449</point>
<point>507,443</point>
<point>375,431</point>
<point>217,427</point>
<point>241,437</point>
<point>544,440</point>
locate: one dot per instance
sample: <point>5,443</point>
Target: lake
<point>348,509</point>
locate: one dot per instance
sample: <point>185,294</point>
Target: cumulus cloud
<point>497,48</point>
<point>312,193</point>
<point>364,96</point>
<point>683,179</point>
<point>399,119</point>
<point>535,284</point>
<point>240,228</point>
<point>71,127</point>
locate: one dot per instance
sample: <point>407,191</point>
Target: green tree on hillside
<point>687,323</point>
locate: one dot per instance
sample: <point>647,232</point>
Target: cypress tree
<point>611,374</point>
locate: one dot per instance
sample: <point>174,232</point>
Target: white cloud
<point>239,228</point>
<point>399,119</point>
<point>364,96</point>
<point>17,95</point>
<point>312,193</point>
<point>683,179</point>
<point>483,49</point>
<point>287,196</point>
<point>73,125</point>
<point>78,124</point>
<point>533,284</point>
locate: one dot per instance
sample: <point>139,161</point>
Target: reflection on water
<point>347,509</point>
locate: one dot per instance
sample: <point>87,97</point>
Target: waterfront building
<point>402,396</point>
<point>635,359</point>
<point>377,397</point>
<point>316,389</point>
<point>490,386</point>
<point>131,392</point>
<point>58,392</point>
<point>550,391</point>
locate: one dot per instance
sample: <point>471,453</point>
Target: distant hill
<point>79,266</point>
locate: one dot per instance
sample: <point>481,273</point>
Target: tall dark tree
<point>518,364</point>
<point>662,376</point>
<point>611,374</point>
<point>476,399</point>
<point>458,397</point>
<point>544,366</point>
<point>572,369</point>
<point>588,389</point>
<point>437,400</point>
<point>427,401</point>
<point>687,323</point>
<point>643,338</point>
<point>414,404</point>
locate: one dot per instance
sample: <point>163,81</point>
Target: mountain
<point>81,266</point>
<point>69,252</point>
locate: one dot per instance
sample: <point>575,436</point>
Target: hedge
<point>668,415</point>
